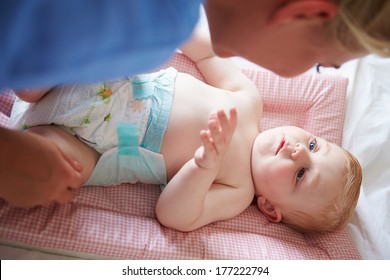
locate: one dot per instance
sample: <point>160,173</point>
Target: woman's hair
<point>362,25</point>
<point>339,211</point>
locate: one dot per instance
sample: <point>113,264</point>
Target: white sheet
<point>367,136</point>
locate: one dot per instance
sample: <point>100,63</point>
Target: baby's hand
<point>216,138</point>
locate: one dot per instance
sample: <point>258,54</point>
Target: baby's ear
<point>272,212</point>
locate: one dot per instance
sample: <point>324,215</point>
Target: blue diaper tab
<point>127,139</point>
<point>143,85</point>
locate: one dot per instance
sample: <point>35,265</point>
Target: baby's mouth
<point>281,144</point>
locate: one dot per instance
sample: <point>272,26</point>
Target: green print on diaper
<point>107,118</point>
<point>104,94</point>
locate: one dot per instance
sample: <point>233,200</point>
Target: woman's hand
<point>34,171</point>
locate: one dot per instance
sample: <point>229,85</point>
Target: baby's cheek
<point>280,170</point>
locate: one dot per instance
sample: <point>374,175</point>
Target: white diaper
<point>87,111</point>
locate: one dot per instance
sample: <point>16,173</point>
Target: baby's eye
<point>300,174</point>
<point>312,144</point>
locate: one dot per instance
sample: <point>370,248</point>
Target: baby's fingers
<point>207,141</point>
<point>227,125</point>
<point>233,118</point>
<point>205,156</point>
<point>217,135</point>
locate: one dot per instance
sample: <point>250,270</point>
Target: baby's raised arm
<point>193,198</point>
<point>219,72</point>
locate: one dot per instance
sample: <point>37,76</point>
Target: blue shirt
<point>47,42</point>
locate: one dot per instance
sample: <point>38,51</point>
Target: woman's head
<point>288,37</point>
<point>362,24</point>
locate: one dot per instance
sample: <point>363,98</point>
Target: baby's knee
<point>32,95</point>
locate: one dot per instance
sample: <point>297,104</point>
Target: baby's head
<point>304,181</point>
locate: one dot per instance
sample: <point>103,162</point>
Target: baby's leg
<point>71,146</point>
<point>32,95</point>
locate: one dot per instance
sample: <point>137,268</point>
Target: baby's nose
<point>298,151</point>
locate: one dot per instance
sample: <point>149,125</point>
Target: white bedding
<point>367,136</point>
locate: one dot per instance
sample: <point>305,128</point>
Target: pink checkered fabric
<point>7,98</point>
<point>120,222</point>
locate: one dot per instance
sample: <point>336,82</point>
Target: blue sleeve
<point>47,42</point>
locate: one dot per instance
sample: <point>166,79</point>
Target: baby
<point>202,142</point>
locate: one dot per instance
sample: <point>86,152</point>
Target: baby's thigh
<point>70,145</point>
<point>32,95</point>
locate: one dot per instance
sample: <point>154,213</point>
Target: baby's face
<point>296,170</point>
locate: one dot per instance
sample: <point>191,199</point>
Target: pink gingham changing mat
<point>119,221</point>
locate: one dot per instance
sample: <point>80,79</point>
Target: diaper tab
<point>127,139</point>
<point>144,84</point>
<point>142,87</point>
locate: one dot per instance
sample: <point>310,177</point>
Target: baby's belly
<point>193,102</point>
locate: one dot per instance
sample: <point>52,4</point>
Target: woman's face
<point>241,28</point>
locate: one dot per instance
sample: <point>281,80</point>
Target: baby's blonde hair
<point>339,211</point>
<point>362,25</point>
